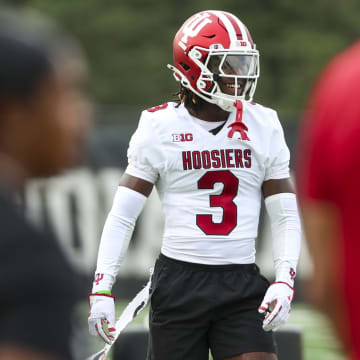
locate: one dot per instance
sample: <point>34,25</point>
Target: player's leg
<point>236,331</point>
<point>179,311</point>
<point>169,341</point>
<point>255,356</point>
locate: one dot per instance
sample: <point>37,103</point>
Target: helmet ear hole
<point>185,83</point>
<point>185,66</point>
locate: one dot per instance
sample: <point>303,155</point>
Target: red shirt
<point>329,166</point>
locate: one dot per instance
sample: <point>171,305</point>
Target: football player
<point>212,157</point>
<point>327,180</point>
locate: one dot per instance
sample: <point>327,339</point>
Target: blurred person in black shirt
<point>44,116</point>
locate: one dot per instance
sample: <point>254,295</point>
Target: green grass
<point>319,342</point>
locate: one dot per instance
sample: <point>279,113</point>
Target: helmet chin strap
<point>224,104</point>
<point>220,99</point>
<point>238,125</point>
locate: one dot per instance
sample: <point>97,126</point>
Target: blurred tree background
<point>129,43</point>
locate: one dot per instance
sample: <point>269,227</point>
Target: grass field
<point>318,340</point>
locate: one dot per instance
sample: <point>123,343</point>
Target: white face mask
<point>232,74</point>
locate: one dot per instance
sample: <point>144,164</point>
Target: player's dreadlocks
<point>189,99</point>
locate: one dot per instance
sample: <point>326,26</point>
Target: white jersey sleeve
<point>144,153</point>
<point>277,166</point>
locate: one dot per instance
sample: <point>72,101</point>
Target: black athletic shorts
<point>197,307</point>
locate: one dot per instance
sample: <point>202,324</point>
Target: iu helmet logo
<point>193,27</point>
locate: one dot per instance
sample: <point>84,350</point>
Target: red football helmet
<point>213,47</point>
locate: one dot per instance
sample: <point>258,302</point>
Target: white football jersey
<point>209,185</point>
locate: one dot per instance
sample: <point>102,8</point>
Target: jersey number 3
<point>223,200</point>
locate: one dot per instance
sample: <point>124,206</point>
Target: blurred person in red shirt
<point>328,176</point>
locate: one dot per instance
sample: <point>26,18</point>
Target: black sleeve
<point>38,288</point>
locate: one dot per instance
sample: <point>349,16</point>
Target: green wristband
<point>104,292</point>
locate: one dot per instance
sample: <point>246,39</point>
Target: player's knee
<point>255,356</point>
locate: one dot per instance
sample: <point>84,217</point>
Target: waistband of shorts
<point>206,267</point>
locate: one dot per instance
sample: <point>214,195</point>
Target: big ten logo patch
<point>193,27</point>
<point>182,137</point>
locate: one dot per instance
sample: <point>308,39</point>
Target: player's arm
<point>128,202</point>
<point>134,183</point>
<point>145,161</point>
<point>281,206</point>
<point>277,186</point>
<point>321,225</point>
<point>18,352</point>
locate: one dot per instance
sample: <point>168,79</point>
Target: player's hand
<point>276,305</point>
<point>102,317</point>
